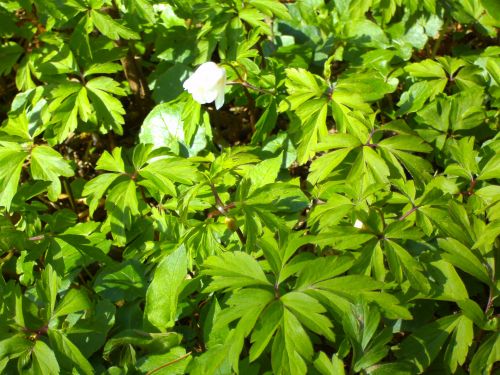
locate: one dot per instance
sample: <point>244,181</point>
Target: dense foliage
<point>339,214</point>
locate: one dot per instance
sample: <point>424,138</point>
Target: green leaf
<point>163,292</point>
<point>109,110</point>
<point>47,287</point>
<point>486,356</point>
<point>111,28</point>
<point>142,8</point>
<point>325,164</point>
<point>111,162</point>
<point>266,123</point>
<point>176,125</point>
<point>405,143</point>
<point>176,357</point>
<point>234,270</point>
<point>301,86</point>
<point>271,7</point>
<point>459,344</point>
<point>121,281</point>
<point>423,346</point>
<point>264,173</point>
<point>44,359</point>
<point>14,346</point>
<point>170,170</point>
<point>9,54</point>
<point>325,366</point>
<point>95,189</point>
<point>291,347</point>
<point>12,158</point>
<point>492,7</point>
<point>47,165</point>
<point>149,342</point>
<point>418,93</point>
<point>74,300</point>
<point>411,268</point>
<point>68,354</point>
<point>268,323</point>
<point>461,257</point>
<point>309,312</point>
<point>122,206</point>
<point>322,269</point>
<point>426,69</point>
<point>491,170</point>
<point>313,127</point>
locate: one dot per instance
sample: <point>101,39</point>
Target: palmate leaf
<point>423,346</point>
<point>122,206</point>
<point>95,189</point>
<point>487,355</point>
<point>72,101</point>
<point>306,97</point>
<point>9,54</point>
<point>12,156</point>
<point>13,347</point>
<point>74,300</point>
<point>142,8</point>
<point>68,355</point>
<point>44,360</point>
<point>325,366</point>
<point>111,28</point>
<point>458,347</point>
<point>463,258</point>
<point>399,259</point>
<point>292,347</point>
<point>313,127</point>
<point>121,281</point>
<point>64,108</point>
<point>265,329</point>
<point>48,165</point>
<point>356,90</point>
<point>309,312</point>
<point>234,270</point>
<point>245,305</point>
<point>109,110</point>
<point>271,7</point>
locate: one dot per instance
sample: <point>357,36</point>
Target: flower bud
<point>207,84</point>
<point>230,223</point>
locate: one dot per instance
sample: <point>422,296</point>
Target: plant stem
<point>221,207</point>
<point>169,363</point>
<point>408,213</point>
<point>250,86</point>
<point>71,198</point>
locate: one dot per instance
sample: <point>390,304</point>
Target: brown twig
<point>217,212</point>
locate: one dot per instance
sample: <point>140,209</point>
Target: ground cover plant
<point>249,186</point>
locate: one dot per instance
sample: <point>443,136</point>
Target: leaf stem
<point>221,207</point>
<point>250,86</point>
<point>408,213</point>
<point>169,363</point>
<point>37,238</point>
<point>71,198</point>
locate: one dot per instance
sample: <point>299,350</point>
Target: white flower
<point>207,84</point>
<point>358,224</point>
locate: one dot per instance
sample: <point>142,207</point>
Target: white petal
<point>219,100</point>
<point>358,224</point>
<point>207,84</point>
